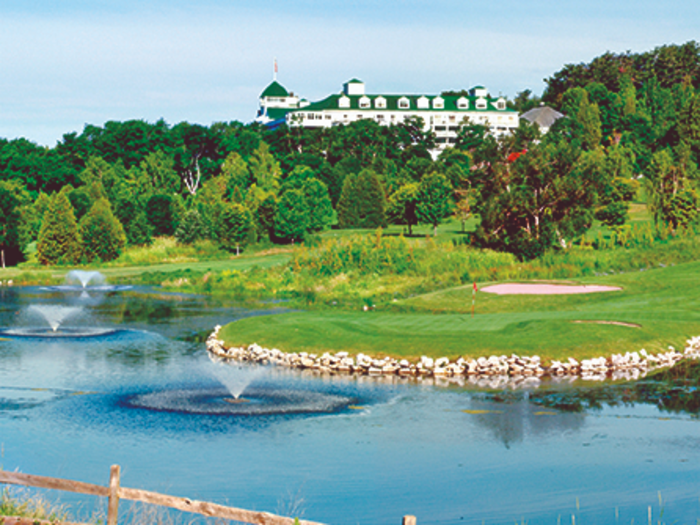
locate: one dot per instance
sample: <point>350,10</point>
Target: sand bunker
<point>545,289</point>
<point>616,323</point>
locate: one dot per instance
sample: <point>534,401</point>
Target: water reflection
<point>513,421</point>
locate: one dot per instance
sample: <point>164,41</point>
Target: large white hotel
<point>441,114</point>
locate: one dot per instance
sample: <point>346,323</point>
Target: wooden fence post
<point>113,506</point>
<point>409,520</point>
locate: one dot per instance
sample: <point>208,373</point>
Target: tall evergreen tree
<point>103,235</point>
<point>318,203</point>
<point>362,202</point>
<point>59,239</point>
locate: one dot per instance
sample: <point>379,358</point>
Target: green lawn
<point>665,303</point>
<point>120,272</point>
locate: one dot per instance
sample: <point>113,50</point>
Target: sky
<point>68,63</point>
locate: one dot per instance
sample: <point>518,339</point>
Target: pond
<point>125,379</point>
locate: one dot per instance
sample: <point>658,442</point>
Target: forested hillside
<point>633,119</point>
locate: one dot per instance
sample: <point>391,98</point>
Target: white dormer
<point>501,103</point>
<point>438,103</point>
<point>343,102</point>
<point>423,103</point>
<point>364,102</point>
<point>380,103</point>
<point>481,103</point>
<point>462,103</point>
<point>404,103</point>
<point>354,87</point>
<point>479,91</point>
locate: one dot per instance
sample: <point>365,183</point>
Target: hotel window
<point>404,103</point>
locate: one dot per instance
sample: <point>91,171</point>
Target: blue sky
<point>65,63</point>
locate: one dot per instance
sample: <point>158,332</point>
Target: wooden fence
<point>115,492</point>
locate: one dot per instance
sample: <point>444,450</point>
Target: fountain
<point>84,281</point>
<point>55,316</point>
<point>259,401</point>
<point>235,376</point>
<point>85,277</point>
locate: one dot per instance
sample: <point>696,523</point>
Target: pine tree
<point>103,235</point>
<point>348,205</point>
<point>371,200</point>
<point>318,203</point>
<point>362,203</point>
<point>59,240</point>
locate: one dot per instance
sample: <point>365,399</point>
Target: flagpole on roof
<point>274,76</point>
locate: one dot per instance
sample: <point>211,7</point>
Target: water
<point>340,451</point>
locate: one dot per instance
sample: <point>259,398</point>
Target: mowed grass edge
<point>662,304</point>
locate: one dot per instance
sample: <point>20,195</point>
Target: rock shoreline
<point>490,371</point>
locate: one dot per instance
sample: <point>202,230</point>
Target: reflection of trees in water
<point>666,396</point>
<point>511,417</point>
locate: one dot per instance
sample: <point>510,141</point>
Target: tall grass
<point>372,268</point>
<point>22,503</point>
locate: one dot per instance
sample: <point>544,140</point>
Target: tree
<point>59,239</point>
<point>318,204</point>
<point>11,199</point>
<point>434,199</point>
<point>32,217</point>
<point>362,203</point>
<point>264,168</point>
<point>235,172</point>
<point>401,208</point>
<point>160,214</point>
<point>292,216</point>
<point>544,198</point>
<point>191,228</point>
<point>235,228</point>
<point>157,174</point>
<point>102,234</point>
<point>670,187</point>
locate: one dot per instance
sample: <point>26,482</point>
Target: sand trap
<point>545,289</point>
<point>616,323</point>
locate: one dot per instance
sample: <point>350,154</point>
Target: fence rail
<point>115,492</point>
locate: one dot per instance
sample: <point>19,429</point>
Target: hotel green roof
<point>274,90</point>
<point>392,103</point>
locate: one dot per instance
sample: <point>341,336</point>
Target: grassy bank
<point>663,304</point>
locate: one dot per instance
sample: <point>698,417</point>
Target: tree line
<point>631,119</point>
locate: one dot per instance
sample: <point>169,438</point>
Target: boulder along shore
<point>493,371</point>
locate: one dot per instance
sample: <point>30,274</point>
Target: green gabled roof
<point>392,103</point>
<point>274,90</point>
<point>354,81</point>
<point>277,113</point>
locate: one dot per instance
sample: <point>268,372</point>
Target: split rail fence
<point>115,492</point>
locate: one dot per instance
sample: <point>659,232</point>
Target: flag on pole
<point>474,290</point>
